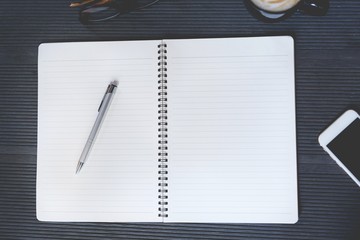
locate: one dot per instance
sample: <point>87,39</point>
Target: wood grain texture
<point>327,83</point>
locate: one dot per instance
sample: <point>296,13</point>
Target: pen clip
<point>110,89</point>
<point>103,98</point>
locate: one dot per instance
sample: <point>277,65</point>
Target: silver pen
<point>104,106</point>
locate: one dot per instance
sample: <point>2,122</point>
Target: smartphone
<point>341,140</point>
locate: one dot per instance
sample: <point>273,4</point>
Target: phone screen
<point>346,147</point>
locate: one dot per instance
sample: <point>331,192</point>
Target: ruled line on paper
<point>180,63</point>
<point>237,79</point>
<point>224,74</point>
<point>234,67</point>
<point>99,60</point>
<point>91,211</point>
<point>93,70</point>
<point>231,56</point>
<point>119,64</point>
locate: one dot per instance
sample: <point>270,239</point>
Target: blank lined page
<point>119,180</point>
<point>231,130</point>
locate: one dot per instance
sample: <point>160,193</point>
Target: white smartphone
<point>341,140</point>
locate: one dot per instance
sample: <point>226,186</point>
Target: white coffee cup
<point>279,9</point>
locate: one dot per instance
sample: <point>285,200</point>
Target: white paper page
<point>231,130</point>
<point>119,180</point>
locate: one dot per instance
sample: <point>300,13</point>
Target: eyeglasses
<point>101,10</point>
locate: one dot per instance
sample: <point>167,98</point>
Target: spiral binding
<point>163,154</point>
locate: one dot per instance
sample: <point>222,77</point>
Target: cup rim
<point>275,12</point>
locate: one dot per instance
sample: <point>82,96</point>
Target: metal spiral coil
<point>162,131</point>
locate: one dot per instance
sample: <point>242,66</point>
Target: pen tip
<point>78,168</point>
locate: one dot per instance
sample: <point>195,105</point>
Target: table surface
<point>327,83</point>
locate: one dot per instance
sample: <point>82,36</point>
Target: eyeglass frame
<point>107,6</point>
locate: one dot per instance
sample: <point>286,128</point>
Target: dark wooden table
<point>327,83</point>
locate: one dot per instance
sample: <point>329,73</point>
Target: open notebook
<point>200,130</point>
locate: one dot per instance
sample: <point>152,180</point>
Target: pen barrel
<point>96,127</point>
